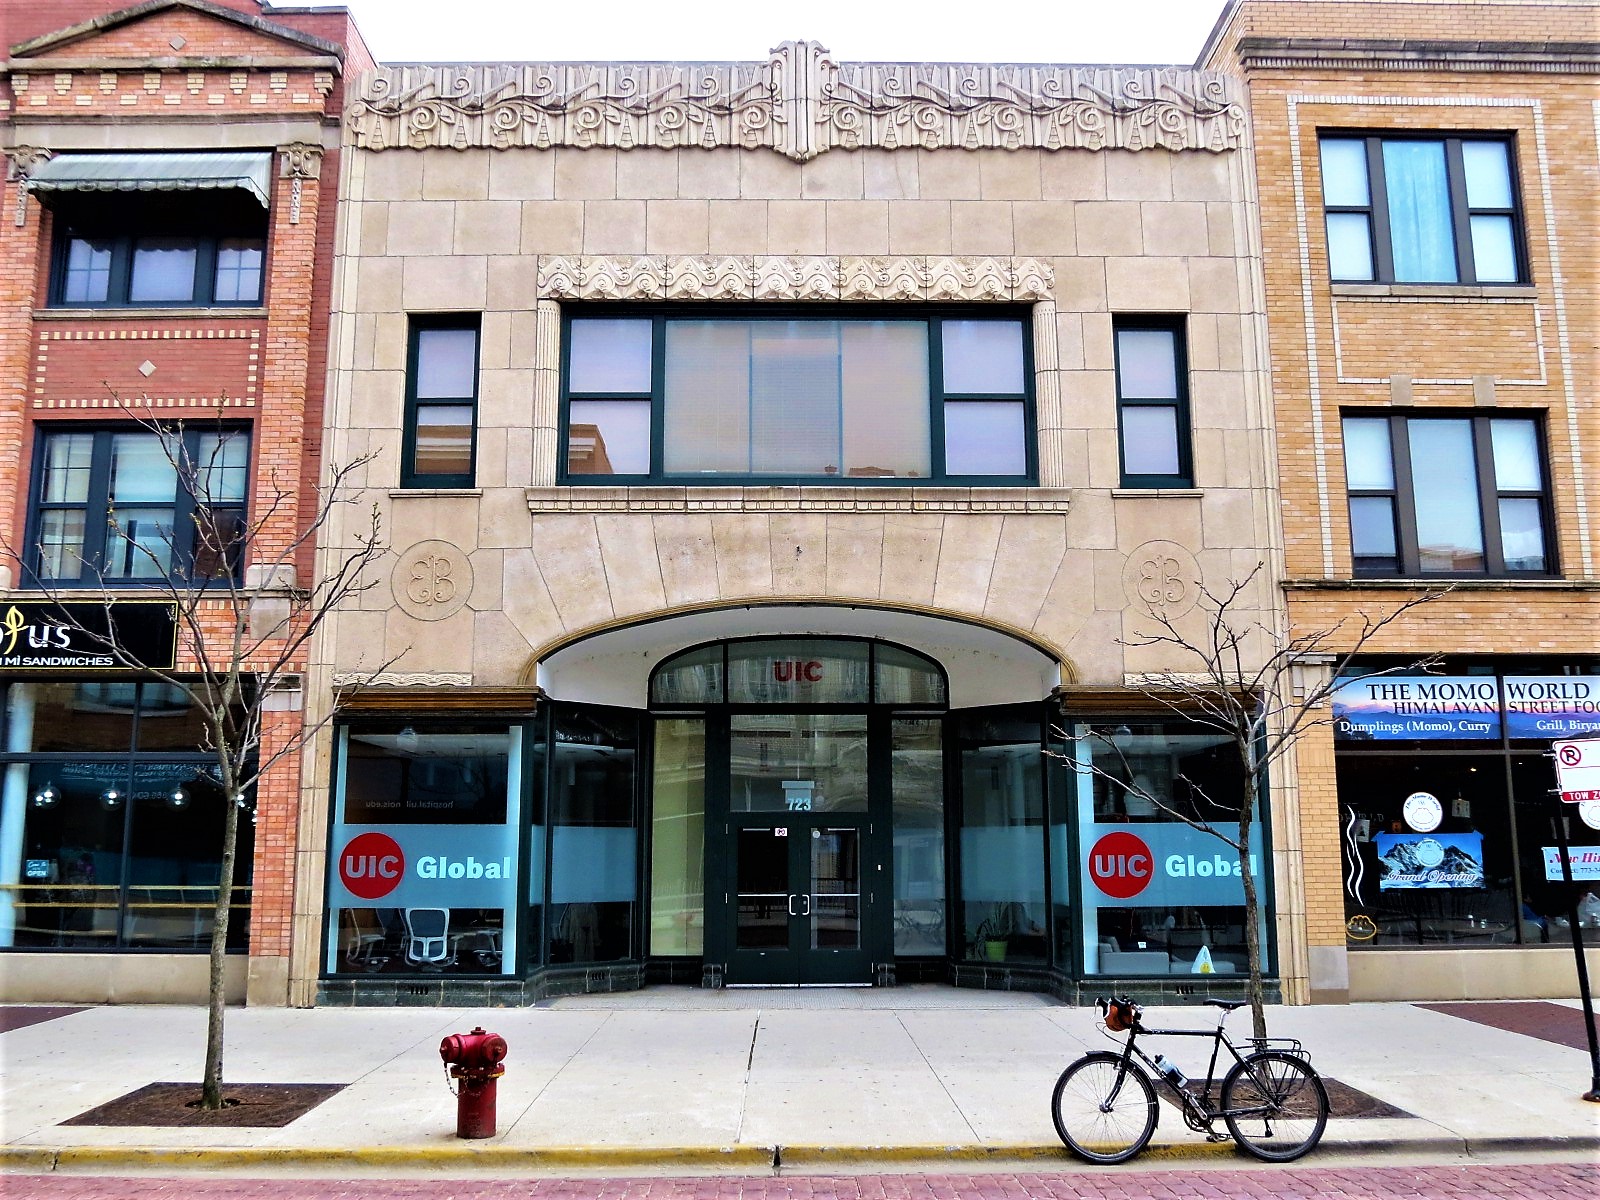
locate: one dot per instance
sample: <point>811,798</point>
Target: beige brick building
<point>775,455</point>
<point>1426,175</point>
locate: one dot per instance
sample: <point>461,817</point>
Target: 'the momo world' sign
<point>1417,707</point>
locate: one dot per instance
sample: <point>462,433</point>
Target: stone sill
<point>799,499</point>
<point>112,313</point>
<point>1433,585</point>
<point>433,493</point>
<point>1156,493</point>
<point>1435,291</point>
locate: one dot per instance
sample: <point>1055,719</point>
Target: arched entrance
<point>821,800</point>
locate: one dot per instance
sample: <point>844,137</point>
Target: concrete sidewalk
<point>677,1076</point>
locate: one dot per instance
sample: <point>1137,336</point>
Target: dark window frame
<point>1402,496</point>
<point>206,218</point>
<point>1177,325</point>
<point>1376,210</point>
<point>420,323</point>
<point>185,505</point>
<point>938,398</point>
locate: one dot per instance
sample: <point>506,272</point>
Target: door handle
<point>792,912</point>
<point>806,896</point>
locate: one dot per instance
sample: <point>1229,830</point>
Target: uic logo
<point>371,865</point>
<point>1121,865</point>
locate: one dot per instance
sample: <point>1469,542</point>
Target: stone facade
<point>1076,194</point>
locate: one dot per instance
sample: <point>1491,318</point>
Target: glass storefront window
<point>177,819</point>
<point>1161,894</point>
<point>1545,908</point>
<point>1463,863</point>
<point>1002,836</point>
<point>423,868</point>
<point>1447,885</point>
<point>102,846</point>
<point>678,838</point>
<point>594,872</point>
<point>917,780</point>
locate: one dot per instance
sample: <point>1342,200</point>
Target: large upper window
<point>1153,403</point>
<point>1421,210</point>
<point>1447,495</point>
<point>130,505</point>
<point>798,398</point>
<point>174,252</point>
<point>441,403</point>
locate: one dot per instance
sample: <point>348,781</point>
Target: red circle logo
<point>1121,865</point>
<point>371,865</point>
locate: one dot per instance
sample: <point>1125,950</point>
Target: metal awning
<point>249,172</point>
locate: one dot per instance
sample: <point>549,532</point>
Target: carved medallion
<point>432,580</point>
<point>1162,578</point>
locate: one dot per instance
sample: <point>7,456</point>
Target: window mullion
<point>1494,560</point>
<point>1405,496</point>
<point>1378,198</point>
<point>1460,213</point>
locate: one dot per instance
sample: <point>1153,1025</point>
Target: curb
<point>750,1159</point>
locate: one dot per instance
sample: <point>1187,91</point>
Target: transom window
<point>1421,210</point>
<point>799,671</point>
<point>122,506</point>
<point>797,397</point>
<point>1447,495</point>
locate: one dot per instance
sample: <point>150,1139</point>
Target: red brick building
<point>165,262</point>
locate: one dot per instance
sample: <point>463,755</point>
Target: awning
<point>250,172</point>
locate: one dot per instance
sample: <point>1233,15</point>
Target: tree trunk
<point>1252,920</point>
<point>211,1086</point>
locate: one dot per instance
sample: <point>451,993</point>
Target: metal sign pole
<point>1558,818</point>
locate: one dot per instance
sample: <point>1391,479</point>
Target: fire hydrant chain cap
<point>474,1058</point>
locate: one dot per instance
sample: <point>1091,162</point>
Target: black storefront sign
<point>39,636</point>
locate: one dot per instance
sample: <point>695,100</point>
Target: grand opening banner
<point>1465,707</point>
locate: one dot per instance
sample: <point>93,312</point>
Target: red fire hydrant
<point>474,1061</point>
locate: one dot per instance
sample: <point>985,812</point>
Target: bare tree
<point>244,621</point>
<point>1259,688</point>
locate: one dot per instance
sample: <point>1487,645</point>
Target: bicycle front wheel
<point>1104,1110</point>
<point>1275,1106</point>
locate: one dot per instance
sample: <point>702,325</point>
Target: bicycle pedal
<point>1214,1136</point>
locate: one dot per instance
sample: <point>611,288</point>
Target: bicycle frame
<point>1200,1112</point>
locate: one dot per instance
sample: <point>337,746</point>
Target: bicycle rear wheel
<point>1275,1106</point>
<point>1104,1111</point>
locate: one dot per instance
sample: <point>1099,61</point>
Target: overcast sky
<point>1064,31</point>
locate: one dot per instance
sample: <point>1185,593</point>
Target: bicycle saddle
<point>1228,1005</point>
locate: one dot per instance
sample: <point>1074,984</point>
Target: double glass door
<point>798,903</point>
<point>801,906</point>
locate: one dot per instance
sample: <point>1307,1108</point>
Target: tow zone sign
<point>1577,769</point>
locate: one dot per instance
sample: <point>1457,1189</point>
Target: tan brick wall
<point>1332,349</point>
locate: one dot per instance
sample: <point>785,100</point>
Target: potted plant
<point>990,938</point>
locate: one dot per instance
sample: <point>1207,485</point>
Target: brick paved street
<point>1503,1181</point>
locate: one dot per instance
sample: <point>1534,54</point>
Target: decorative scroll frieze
<point>799,103</point>
<point>797,277</point>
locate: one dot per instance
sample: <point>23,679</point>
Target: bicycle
<point>1272,1100</point>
